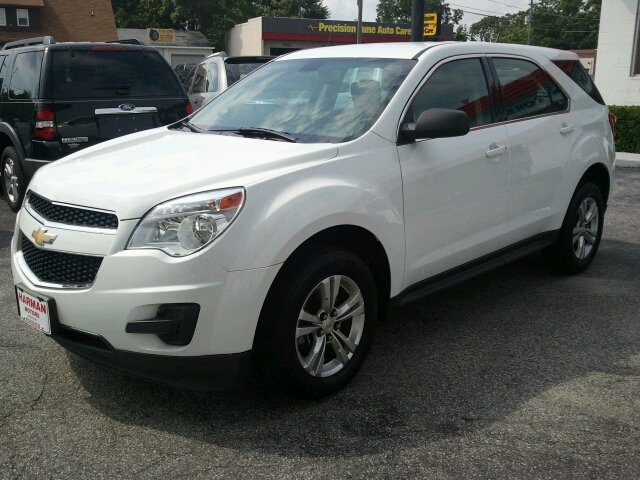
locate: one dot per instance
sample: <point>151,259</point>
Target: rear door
<point>103,92</point>
<point>541,131</point>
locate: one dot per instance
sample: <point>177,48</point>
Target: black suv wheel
<point>13,179</point>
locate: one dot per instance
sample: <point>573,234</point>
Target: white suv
<point>279,223</point>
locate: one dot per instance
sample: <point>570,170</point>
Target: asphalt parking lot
<point>520,373</point>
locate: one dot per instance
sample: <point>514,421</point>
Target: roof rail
<point>27,42</point>
<point>128,41</point>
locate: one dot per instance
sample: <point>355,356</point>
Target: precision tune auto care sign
<point>431,24</point>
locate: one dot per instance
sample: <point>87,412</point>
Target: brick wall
<point>71,20</point>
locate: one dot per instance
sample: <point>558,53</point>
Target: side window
<point>199,80</point>
<point>524,88</point>
<point>576,72</point>
<point>457,85</point>
<point>559,100</point>
<point>25,76</point>
<point>212,77</point>
<point>3,69</point>
<point>188,80</point>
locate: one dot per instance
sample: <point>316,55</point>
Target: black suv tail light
<point>45,124</point>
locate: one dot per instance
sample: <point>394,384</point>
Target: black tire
<point>276,348</point>
<point>562,255</point>
<point>10,158</point>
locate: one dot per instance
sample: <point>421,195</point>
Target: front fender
<point>360,187</point>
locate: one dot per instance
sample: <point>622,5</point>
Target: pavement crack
<point>37,399</point>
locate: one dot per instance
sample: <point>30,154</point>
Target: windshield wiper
<point>191,126</point>
<point>259,132</point>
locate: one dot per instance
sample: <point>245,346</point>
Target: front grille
<point>58,267</point>
<point>71,215</point>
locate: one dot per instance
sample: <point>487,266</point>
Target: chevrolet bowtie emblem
<point>41,237</point>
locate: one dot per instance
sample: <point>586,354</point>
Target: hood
<point>132,174</point>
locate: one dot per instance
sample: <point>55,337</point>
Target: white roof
<point>408,50</point>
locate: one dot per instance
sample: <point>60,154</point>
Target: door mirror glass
<point>437,123</point>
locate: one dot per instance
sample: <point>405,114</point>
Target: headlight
<point>184,225</point>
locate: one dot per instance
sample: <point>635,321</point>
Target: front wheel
<point>318,322</point>
<point>580,233</point>
<point>13,178</point>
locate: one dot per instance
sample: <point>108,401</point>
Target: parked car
<point>58,98</point>
<point>217,73</point>
<point>183,70</point>
<point>278,224</point>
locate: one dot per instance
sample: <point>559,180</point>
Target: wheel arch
<point>360,242</point>
<point>9,138</point>
<point>599,175</point>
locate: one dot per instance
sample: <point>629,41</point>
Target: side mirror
<point>437,123</point>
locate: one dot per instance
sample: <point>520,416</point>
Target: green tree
<point>462,34</point>
<point>564,24</point>
<point>399,11</point>
<point>294,9</point>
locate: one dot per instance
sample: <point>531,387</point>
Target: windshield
<point>314,100</point>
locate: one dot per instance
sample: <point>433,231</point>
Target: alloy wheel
<point>585,232</point>
<point>10,180</point>
<point>330,326</point>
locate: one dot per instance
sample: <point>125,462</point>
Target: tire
<point>13,179</point>
<point>580,233</point>
<point>301,343</point>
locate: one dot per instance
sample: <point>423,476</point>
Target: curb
<point>628,160</point>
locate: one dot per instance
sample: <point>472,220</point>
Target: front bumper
<point>130,287</point>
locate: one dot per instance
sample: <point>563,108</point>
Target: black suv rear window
<point>577,73</point>
<point>107,74</point>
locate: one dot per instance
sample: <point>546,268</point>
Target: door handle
<point>566,129</point>
<point>495,151</point>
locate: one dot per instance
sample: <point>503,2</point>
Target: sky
<point>348,9</point>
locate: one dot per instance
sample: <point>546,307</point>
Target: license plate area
<point>34,309</point>
<point>112,126</point>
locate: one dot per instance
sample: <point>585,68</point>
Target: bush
<point>627,128</point>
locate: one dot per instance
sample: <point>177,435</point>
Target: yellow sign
<point>430,24</point>
<point>161,35</point>
<point>430,31</point>
<point>430,18</point>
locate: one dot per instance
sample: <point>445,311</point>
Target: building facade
<point>186,47</point>
<point>277,36</point>
<point>64,20</point>
<point>618,72</point>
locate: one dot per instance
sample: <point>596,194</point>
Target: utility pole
<point>530,22</point>
<point>359,33</point>
<point>417,20</point>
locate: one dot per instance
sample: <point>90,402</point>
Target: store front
<point>277,36</point>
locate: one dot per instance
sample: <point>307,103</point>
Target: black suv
<point>58,98</point>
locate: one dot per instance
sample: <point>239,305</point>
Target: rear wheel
<point>13,178</point>
<point>581,232</point>
<point>318,322</point>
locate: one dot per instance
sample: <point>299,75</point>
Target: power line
<point>495,1</point>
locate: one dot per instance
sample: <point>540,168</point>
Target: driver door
<point>456,190</point>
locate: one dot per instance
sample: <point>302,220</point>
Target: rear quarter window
<point>109,74</point>
<point>576,72</point>
<point>25,75</point>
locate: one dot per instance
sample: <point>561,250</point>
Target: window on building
<point>3,17</point>
<point>23,17</point>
